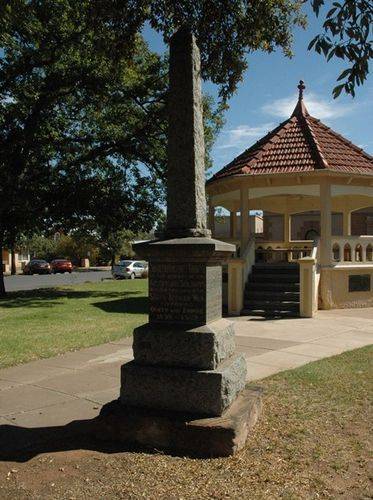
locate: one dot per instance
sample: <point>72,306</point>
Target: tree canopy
<point>347,35</point>
<point>82,108</point>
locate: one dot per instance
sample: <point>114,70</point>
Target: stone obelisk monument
<point>185,375</point>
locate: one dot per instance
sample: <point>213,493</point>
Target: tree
<point>347,35</point>
<point>52,53</point>
<point>118,243</point>
<point>79,92</point>
<point>122,203</point>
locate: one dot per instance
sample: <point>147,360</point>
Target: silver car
<point>130,269</point>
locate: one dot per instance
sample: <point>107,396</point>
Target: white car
<point>130,269</point>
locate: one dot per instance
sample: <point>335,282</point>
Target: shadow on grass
<point>130,305</point>
<point>51,296</point>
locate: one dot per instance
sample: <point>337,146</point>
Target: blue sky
<point>268,94</point>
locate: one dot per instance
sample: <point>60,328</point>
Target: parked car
<point>61,266</point>
<point>130,269</point>
<point>37,266</point>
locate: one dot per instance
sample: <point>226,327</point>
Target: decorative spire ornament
<point>301,87</point>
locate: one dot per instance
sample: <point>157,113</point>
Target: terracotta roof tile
<point>300,144</point>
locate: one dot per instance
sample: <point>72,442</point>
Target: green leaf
<point>337,90</point>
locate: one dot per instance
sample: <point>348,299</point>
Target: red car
<point>61,266</point>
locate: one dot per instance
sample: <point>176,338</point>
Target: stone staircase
<point>272,291</point>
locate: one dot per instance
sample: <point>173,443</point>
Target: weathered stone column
<point>185,367</point>
<point>186,198</point>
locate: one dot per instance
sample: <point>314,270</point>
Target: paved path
<point>54,391</point>
<point>21,282</point>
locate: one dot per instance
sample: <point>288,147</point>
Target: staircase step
<point>269,314</point>
<point>275,296</point>
<point>268,305</point>
<point>288,269</point>
<point>272,291</point>
<point>288,278</point>
<point>275,287</point>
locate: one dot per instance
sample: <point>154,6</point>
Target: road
<point>21,282</point>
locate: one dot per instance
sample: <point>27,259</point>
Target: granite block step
<point>202,392</point>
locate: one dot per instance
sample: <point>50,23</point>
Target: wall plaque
<point>359,283</point>
<point>184,293</point>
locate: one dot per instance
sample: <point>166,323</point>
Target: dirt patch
<point>313,441</point>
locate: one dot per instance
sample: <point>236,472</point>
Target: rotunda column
<point>325,222</point>
<point>244,209</point>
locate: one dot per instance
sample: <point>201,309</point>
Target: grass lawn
<point>313,441</point>
<point>42,323</point>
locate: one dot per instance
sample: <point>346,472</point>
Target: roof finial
<point>301,87</point>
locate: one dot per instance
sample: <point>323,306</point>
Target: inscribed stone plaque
<point>359,283</point>
<point>186,292</point>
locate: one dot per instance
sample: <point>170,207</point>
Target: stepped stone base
<point>204,437</point>
<point>205,392</point>
<point>201,348</point>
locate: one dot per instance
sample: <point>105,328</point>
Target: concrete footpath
<point>55,391</point>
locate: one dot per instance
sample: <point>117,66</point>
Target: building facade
<point>314,190</point>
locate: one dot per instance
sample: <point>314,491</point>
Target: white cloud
<point>317,106</point>
<point>242,136</point>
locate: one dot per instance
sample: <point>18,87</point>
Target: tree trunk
<point>13,267</point>
<point>2,284</point>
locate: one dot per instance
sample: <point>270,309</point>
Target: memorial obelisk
<point>185,374</point>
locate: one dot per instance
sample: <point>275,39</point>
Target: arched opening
<point>359,253</point>
<point>312,234</point>
<point>362,222</point>
<point>306,225</point>
<point>369,253</point>
<point>347,255</point>
<point>336,252</point>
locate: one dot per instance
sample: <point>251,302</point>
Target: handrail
<point>248,257</point>
<point>238,272</point>
<point>309,273</point>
